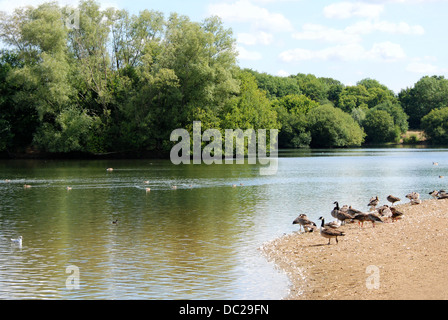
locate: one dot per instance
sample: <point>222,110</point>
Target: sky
<point>393,41</point>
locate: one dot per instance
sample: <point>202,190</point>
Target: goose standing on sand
<point>373,203</point>
<point>303,221</point>
<point>329,233</point>
<point>413,196</point>
<point>363,217</point>
<point>385,211</point>
<point>340,214</point>
<point>392,199</point>
<point>396,215</point>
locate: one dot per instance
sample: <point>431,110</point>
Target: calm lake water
<point>196,242</point>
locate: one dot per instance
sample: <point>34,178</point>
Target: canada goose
<point>442,194</point>
<point>334,212</point>
<point>333,225</point>
<point>115,222</point>
<point>303,221</point>
<point>392,199</point>
<point>396,215</point>
<point>373,203</point>
<point>363,217</point>
<point>329,233</point>
<point>385,211</point>
<point>434,194</point>
<point>18,240</point>
<point>340,214</point>
<point>413,196</point>
<point>353,212</point>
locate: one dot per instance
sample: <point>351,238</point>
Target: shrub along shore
<point>405,259</point>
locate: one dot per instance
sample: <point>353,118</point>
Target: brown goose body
<point>330,233</point>
<point>303,221</point>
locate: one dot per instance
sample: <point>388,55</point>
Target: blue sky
<point>393,41</point>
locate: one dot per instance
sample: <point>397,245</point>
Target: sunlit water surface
<point>200,241</point>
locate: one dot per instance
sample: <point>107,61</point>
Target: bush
<point>380,127</point>
<point>332,127</point>
<point>435,125</point>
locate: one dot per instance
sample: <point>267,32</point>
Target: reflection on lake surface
<point>197,242</point>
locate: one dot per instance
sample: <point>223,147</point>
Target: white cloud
<point>251,39</point>
<point>366,27</point>
<point>283,73</point>
<point>384,51</point>
<point>345,10</point>
<point>244,11</point>
<point>244,54</point>
<point>323,33</point>
<point>423,68</point>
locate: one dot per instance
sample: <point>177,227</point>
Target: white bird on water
<point>18,240</point>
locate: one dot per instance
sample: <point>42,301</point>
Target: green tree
<point>353,97</point>
<point>332,127</point>
<point>397,113</point>
<point>380,127</point>
<point>435,125</point>
<point>292,111</point>
<point>427,94</point>
<point>275,86</point>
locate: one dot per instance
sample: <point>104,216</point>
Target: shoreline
<point>403,260</point>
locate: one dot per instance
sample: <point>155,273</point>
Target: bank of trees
<point>110,81</point>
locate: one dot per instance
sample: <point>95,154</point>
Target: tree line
<point>118,82</point>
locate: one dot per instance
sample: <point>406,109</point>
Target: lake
<point>198,241</point>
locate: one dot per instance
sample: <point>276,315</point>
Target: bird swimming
<point>18,240</point>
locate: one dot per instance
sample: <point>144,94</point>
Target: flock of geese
<point>376,214</point>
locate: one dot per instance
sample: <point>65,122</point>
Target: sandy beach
<point>406,259</point>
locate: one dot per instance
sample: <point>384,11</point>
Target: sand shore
<point>407,259</point>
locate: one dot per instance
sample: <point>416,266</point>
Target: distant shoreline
<point>42,155</point>
<point>410,256</point>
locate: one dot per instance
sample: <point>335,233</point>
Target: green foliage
<point>379,127</point>
<point>70,132</point>
<point>428,93</point>
<point>412,139</point>
<point>332,127</point>
<point>124,82</point>
<point>292,111</point>
<point>435,125</point>
<point>397,113</point>
<point>276,87</point>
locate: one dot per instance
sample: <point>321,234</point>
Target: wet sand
<point>406,259</point>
